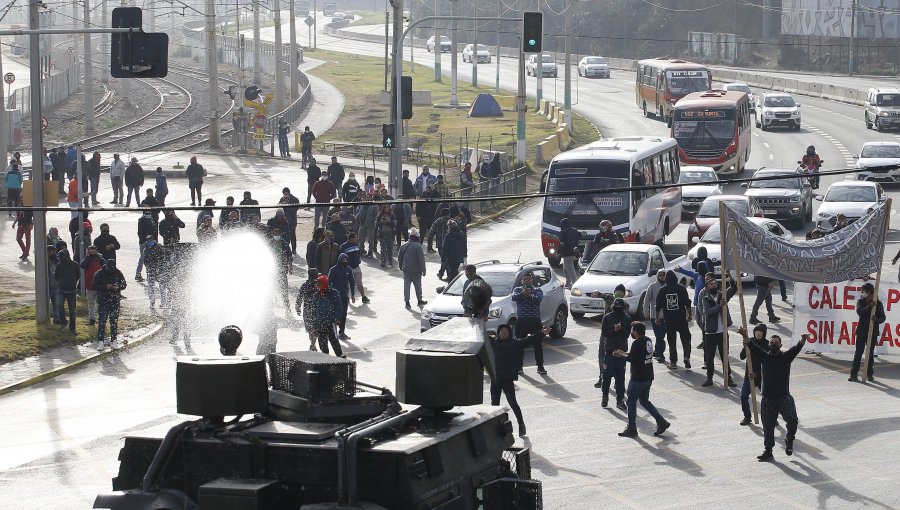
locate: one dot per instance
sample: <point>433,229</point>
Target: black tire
<point>809,214</point>
<point>554,262</point>
<point>878,126</point>
<point>797,127</point>
<point>866,121</point>
<point>764,128</point>
<point>758,124</point>
<point>576,315</point>
<point>639,314</point>
<point>560,322</point>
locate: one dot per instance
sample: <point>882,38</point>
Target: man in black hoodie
<point>106,243</point>
<point>614,329</point>
<point>754,370</point>
<point>67,275</point>
<point>641,358</point>
<point>776,393</point>
<point>109,283</point>
<point>675,304</point>
<point>864,311</point>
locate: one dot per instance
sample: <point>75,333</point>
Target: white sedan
<point>593,66</point>
<point>853,199</point>
<point>711,241</point>
<point>693,196</point>
<point>484,54</point>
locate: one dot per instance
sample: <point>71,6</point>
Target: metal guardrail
<point>509,183</point>
<point>376,153</point>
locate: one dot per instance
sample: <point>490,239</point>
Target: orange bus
<point>713,129</point>
<point>661,82</point>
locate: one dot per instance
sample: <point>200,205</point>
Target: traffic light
<point>137,54</point>
<point>532,31</point>
<point>387,136</point>
<point>406,100</point>
<point>252,93</point>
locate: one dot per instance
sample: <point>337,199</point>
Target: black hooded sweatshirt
<point>673,300</point>
<point>762,344</point>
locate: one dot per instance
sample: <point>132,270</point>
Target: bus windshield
<point>693,128</point>
<point>594,175</point>
<point>682,83</point>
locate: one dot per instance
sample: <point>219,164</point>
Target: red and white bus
<point>713,129</point>
<point>661,82</point>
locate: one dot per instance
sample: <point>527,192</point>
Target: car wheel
<point>639,314</point>
<point>878,125</point>
<point>797,127</point>
<point>577,315</point>
<point>757,121</point>
<point>554,262</point>
<point>764,127</point>
<point>560,322</point>
<point>866,120</point>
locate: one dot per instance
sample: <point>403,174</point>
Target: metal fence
<point>509,183</point>
<point>378,154</point>
<point>55,88</point>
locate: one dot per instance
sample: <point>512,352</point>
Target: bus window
<point>675,169</point>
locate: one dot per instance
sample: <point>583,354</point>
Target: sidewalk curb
<point>50,374</point>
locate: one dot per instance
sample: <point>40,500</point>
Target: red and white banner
<point>827,313</point>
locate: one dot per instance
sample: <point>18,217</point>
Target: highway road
<point>64,434</point>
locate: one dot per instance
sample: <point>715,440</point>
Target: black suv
<point>788,199</point>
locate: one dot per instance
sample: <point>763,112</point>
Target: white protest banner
<point>827,312</point>
<point>852,252</point>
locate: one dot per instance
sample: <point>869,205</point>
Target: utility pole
<point>567,101</point>
<point>387,38</point>
<point>279,59</point>
<point>88,74</point>
<point>315,25</point>
<point>474,55</point>
<point>499,14</point>
<point>454,100</point>
<point>4,136</point>
<point>104,41</point>
<point>437,42</point>
<point>520,97</point>
<point>256,78</point>
<point>41,294</point>
<point>395,169</point>
<point>852,59</point>
<point>539,71</point>
<point>295,87</point>
<point>75,36</point>
<point>212,58</point>
<point>151,18</point>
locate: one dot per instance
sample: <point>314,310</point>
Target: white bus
<point>641,216</point>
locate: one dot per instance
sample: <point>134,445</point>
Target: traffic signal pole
<point>212,58</point>
<point>41,269</point>
<point>396,160</point>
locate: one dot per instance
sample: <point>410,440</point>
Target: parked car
<point>777,109</point>
<point>882,108</point>
<point>484,54</point>
<point>548,65</point>
<point>338,16</point>
<point>693,196</point>
<point>445,44</point>
<point>711,240</point>
<point>708,214</point>
<point>349,16</point>
<point>503,278</point>
<point>788,199</point>
<point>630,264</point>
<point>879,162</point>
<point>853,199</point>
<point>593,66</point>
<point>740,87</point>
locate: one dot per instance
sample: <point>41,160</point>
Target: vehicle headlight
<point>795,199</point>
<point>628,293</point>
<point>495,313</point>
<point>426,313</point>
<point>767,113</point>
<point>883,114</point>
<point>823,216</point>
<point>796,112</point>
<point>577,292</point>
<point>552,251</point>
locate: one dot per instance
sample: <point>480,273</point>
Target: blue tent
<point>485,106</point>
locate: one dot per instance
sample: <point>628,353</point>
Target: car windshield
<point>595,60</point>
<point>548,59</point>
<point>482,47</point>
<point>786,183</point>
<point>850,194</point>
<point>880,151</point>
<point>682,83</point>
<point>712,235</point>
<point>739,88</point>
<point>501,283</point>
<point>689,176</point>
<point>888,100</point>
<point>779,101</point>
<point>624,263</point>
<point>710,208</point>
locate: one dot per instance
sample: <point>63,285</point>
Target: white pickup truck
<point>630,264</point>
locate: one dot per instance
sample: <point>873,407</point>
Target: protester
<point>157,264</point>
<point>71,197</point>
<point>53,285</point>
<point>106,243</point>
<point>454,250</point>
<point>290,205</point>
<point>713,332</point>
<point>423,181</point>
<point>864,311</point>
<point>324,192</point>
<point>352,250</point>
<point>655,315</point>
<point>385,229</point>
<point>147,229</point>
<point>411,261</point>
<point>206,233</point>
<point>776,395</point>
<point>350,189</point>
<point>306,140</point>
<point>529,328</point>
<point>407,187</point>
<point>162,187</point>
<point>153,203</point>
<point>323,313</point>
<point>117,179</point>
<point>605,237</point>
<point>282,251</point>
<point>340,278</point>
<point>283,130</point>
<point>170,228</point>
<point>440,187</point>
<point>425,213</point>
<point>311,246</point>
<point>13,182</point>
<point>24,224</point>
<point>507,362</point>
<point>367,216</point>
<point>675,305</point>
<point>475,303</point>
<point>195,173</point>
<point>90,264</point>
<point>436,233</point>
<point>403,212</point>
<point>134,179</point>
<point>68,274</point>
<point>303,303</point>
<point>466,180</point>
<point>226,212</point>
<point>640,356</point>
<point>336,173</point>
<point>614,330</point>
<point>109,284</point>
<point>764,286</point>
<point>313,175</point>
<point>327,253</point>
<point>568,250</point>
<point>754,370</point>
<point>248,212</point>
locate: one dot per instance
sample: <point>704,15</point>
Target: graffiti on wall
<point>875,19</point>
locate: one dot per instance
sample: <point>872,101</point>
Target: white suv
<point>882,108</point>
<point>777,109</point>
<point>502,278</point>
<point>879,162</point>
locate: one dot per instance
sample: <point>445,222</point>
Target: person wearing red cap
<point>323,314</point>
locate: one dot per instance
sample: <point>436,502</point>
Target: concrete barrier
<point>546,150</point>
<point>562,132</point>
<point>507,103</point>
<point>542,109</point>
